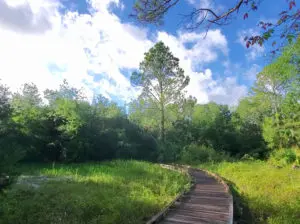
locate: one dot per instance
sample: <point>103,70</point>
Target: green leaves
<point>278,84</point>
<point>136,79</point>
<point>290,38</point>
<point>161,79</point>
<point>5,107</point>
<point>268,34</point>
<point>152,11</point>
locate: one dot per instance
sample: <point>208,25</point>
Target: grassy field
<point>110,192</point>
<point>266,194</point>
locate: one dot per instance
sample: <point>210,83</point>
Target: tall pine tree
<point>161,79</point>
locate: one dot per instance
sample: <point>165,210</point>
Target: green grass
<point>270,195</point>
<point>110,192</point>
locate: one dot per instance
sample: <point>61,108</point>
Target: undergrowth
<point>110,192</point>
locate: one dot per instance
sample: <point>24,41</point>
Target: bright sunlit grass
<point>110,192</point>
<point>271,194</point>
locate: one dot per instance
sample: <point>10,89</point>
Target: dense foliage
<point>161,125</point>
<point>67,128</point>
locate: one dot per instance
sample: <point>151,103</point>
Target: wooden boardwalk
<point>208,202</point>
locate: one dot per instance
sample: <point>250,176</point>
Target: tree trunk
<point>162,124</point>
<point>162,111</point>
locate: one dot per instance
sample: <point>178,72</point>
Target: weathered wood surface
<point>208,202</point>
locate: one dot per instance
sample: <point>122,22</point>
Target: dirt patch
<point>37,181</point>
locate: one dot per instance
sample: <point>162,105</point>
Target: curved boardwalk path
<point>208,202</point>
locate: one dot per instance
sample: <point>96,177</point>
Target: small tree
<point>10,150</point>
<point>278,84</point>
<point>161,79</point>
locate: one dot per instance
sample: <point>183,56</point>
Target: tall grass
<point>272,195</point>
<point>110,192</point>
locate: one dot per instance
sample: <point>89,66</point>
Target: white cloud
<point>74,44</point>
<point>202,85</point>
<point>28,17</point>
<point>49,46</point>
<point>227,91</point>
<point>202,3</point>
<point>231,68</point>
<point>255,51</point>
<point>207,4</point>
<point>251,73</point>
<point>205,45</point>
<point>25,51</point>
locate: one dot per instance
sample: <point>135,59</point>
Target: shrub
<point>297,152</point>
<point>193,154</point>
<point>168,152</point>
<point>283,157</point>
<point>10,154</point>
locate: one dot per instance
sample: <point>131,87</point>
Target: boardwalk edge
<point>159,216</point>
<point>220,179</point>
<point>184,168</point>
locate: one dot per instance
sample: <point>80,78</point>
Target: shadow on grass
<point>69,202</point>
<point>264,211</point>
<point>241,210</point>
<point>130,194</point>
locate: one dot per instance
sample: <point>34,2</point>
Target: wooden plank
<point>186,222</point>
<point>223,203</point>
<point>200,208</point>
<point>195,218</point>
<point>204,196</point>
<point>200,198</point>
<point>205,214</point>
<point>209,201</point>
<point>195,221</point>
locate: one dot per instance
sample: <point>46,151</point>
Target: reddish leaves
<point>286,16</point>
<point>248,44</point>
<point>283,12</point>
<point>292,4</point>
<point>255,40</point>
<point>264,25</point>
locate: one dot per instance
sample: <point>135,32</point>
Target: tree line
<point>162,124</point>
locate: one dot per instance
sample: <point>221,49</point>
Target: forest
<point>62,128</point>
<point>163,124</point>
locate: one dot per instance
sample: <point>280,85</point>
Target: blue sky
<point>95,45</point>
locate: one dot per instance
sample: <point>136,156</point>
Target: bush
<point>298,160</point>
<point>168,152</point>
<point>10,154</point>
<point>297,152</point>
<point>193,154</point>
<point>283,157</point>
